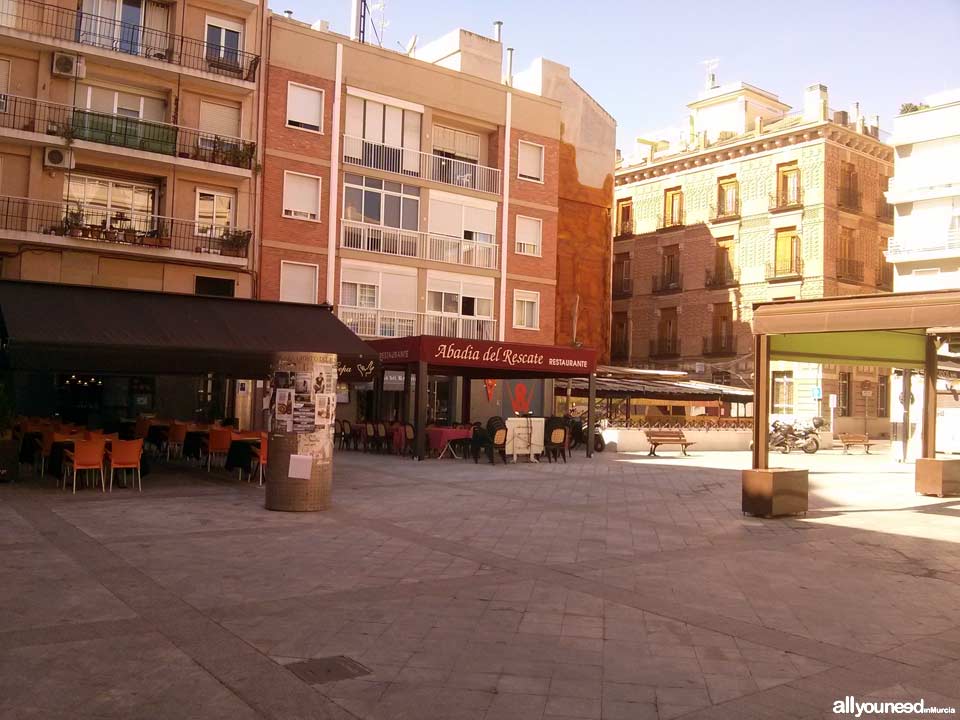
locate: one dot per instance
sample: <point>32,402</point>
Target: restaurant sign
<point>355,369</point>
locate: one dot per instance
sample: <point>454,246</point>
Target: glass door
<point>131,26</point>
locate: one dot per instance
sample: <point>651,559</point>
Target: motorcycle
<point>578,433</point>
<point>796,436</point>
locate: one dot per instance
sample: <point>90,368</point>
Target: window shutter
<point>528,234</point>
<point>220,119</point>
<point>401,290</point>
<point>480,220</point>
<point>467,145</point>
<point>446,218</point>
<point>154,109</point>
<point>301,196</point>
<point>373,127</point>
<point>443,139</point>
<point>531,161</point>
<point>4,76</point>
<point>304,107</point>
<point>393,126</point>
<point>354,122</point>
<point>101,99</point>
<point>411,141</point>
<point>298,283</point>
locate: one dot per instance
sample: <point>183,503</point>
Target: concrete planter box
<point>937,477</point>
<point>774,492</point>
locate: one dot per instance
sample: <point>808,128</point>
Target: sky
<point>642,60</point>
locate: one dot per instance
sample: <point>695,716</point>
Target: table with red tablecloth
<point>439,439</point>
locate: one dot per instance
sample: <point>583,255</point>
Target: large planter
<point>774,492</point>
<point>937,477</point>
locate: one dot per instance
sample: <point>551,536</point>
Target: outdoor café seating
<point>126,455</point>
<point>87,455</point>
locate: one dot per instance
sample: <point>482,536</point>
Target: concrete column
<point>761,401</point>
<point>464,399</point>
<point>421,422</point>
<point>929,437</point>
<point>406,395</point>
<point>591,412</point>
<point>300,465</point>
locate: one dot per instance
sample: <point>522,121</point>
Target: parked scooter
<point>578,433</point>
<point>796,436</point>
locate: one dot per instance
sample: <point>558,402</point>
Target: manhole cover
<point>328,669</point>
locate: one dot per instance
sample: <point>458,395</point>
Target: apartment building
<point>420,193</point>
<point>925,190</point>
<point>128,153</point>
<point>755,203</point>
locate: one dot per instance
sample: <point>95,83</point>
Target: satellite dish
<point>411,45</point>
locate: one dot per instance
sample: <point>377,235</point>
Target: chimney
<point>815,103</point>
<point>876,126</point>
<point>758,124</point>
<point>497,30</point>
<point>355,11</point>
<point>289,14</point>
<point>509,78</point>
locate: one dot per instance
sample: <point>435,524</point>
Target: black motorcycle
<point>796,436</point>
<point>578,434</point>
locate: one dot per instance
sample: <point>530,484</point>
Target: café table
<point>440,438</point>
<point>193,443</point>
<point>240,454</point>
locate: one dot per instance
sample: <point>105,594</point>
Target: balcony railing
<point>788,266</point>
<point>622,288</point>
<point>619,350</point>
<point>411,243</point>
<point>64,24</point>
<point>883,277</point>
<point>665,347</point>
<point>624,227</point>
<point>850,269</point>
<point>949,242</point>
<point>373,322</point>
<point>673,220</point>
<point>667,282</point>
<point>884,210</point>
<point>786,200</point>
<point>720,278</point>
<point>413,163</point>
<point>714,345</point>
<point>850,198</point>
<point>65,121</point>
<point>728,210</point>
<point>98,224</point>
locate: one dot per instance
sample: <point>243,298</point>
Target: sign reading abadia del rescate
<point>484,354</point>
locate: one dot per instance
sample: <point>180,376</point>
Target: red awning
<point>485,358</point>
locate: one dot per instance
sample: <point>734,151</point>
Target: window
<point>625,217</point>
<point>723,261</point>
<point>471,221</point>
<point>222,121</point>
<point>301,196</point>
<point>223,42</point>
<point>526,310</point>
<point>530,162</point>
<point>214,212</point>
<point>357,294</point>
<point>381,135</point>
<point>849,194</point>
<point>456,144</point>
<point>883,396</point>
<point>620,340</point>
<point>529,235</point>
<point>110,203</point>
<point>728,197</point>
<point>304,107</point>
<point>622,275</point>
<point>843,399</point>
<point>671,265</point>
<point>782,396</point>
<point>298,282</point>
<point>788,185</point>
<point>218,287</point>
<point>4,84</point>
<point>787,252</point>
<point>672,207</point>
<point>380,202</point>
<point>667,342</point>
<point>723,323</point>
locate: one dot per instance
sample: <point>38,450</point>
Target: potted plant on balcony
<point>234,242</point>
<point>73,221</point>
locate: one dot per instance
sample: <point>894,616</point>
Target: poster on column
<point>303,403</point>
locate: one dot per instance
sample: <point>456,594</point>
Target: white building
<point>925,191</point>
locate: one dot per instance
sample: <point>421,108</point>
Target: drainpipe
<point>505,224</point>
<point>257,258</point>
<point>332,221</point>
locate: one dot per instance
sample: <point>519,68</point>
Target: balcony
<point>849,198</point>
<point>786,200</point>
<point>884,210</point>
<point>719,345</point>
<point>373,322</point>
<point>947,245</point>
<point>619,351</point>
<point>665,347</point>
<point>413,244</point>
<point>622,288</point>
<point>721,278</point>
<point>64,121</point>
<point>883,276</point>
<point>416,164</point>
<point>624,228</point>
<point>667,282</point>
<point>126,230</point>
<point>725,212</point>
<point>850,269</point>
<point>671,222</point>
<point>67,25</point>
<point>786,267</point>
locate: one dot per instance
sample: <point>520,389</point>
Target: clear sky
<point>642,60</point>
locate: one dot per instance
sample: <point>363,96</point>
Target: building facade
<point>756,203</point>
<point>421,193</point>
<point>925,190</point>
<point>127,143</point>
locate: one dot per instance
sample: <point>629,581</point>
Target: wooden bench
<point>851,439</point>
<point>666,437</point>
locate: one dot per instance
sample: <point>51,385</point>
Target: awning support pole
<point>761,401</point>
<point>906,393</point>
<point>930,399</point>
<point>421,440</point>
<point>465,399</point>
<point>591,411</point>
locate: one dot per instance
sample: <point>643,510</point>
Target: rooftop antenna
<point>378,19</point>
<point>411,45</point>
<point>710,66</point>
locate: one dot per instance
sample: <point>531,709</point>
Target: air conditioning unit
<point>71,66</point>
<point>55,157</point>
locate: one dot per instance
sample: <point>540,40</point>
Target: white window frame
<point>543,162</point>
<point>516,240</point>
<point>323,107</point>
<point>316,279</point>
<point>224,24</point>
<point>377,299</point>
<point>283,210</point>
<point>525,296</point>
<point>215,193</point>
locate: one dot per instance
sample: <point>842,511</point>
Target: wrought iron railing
<point>883,277</point>
<point>850,269</point>
<point>719,345</point>
<point>625,227</point>
<point>722,277</point>
<point>622,287</point>
<point>117,227</point>
<point>70,25</point>
<point>849,197</point>
<point>884,209</point>
<point>667,282</point>
<point>786,199</point>
<point>411,243</point>
<point>413,163</point>
<point>788,265</point>
<point>726,210</point>
<point>67,122</point>
<point>671,220</point>
<point>664,347</point>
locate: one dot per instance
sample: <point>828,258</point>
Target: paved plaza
<point>622,587</point>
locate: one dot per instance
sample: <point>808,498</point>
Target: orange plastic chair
<point>261,454</point>
<point>86,455</point>
<point>125,455</point>
<point>176,437</point>
<point>218,443</point>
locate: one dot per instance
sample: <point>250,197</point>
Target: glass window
<point>304,107</point>
<point>214,212</point>
<point>107,202</point>
<point>443,302</point>
<point>526,310</point>
<point>883,396</point>
<point>782,395</point>
<point>530,162</point>
<point>301,196</point>
<point>529,235</point>
<point>843,399</point>
<point>376,202</point>
<point>358,294</point>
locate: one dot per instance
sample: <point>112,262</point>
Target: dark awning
<point>53,327</point>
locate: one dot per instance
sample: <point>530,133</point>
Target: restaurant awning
<point>670,391</point>
<point>53,327</point>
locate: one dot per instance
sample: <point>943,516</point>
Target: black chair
<point>555,434</point>
<point>497,438</point>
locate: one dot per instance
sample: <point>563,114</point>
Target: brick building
<point>428,193</point>
<point>757,203</point>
